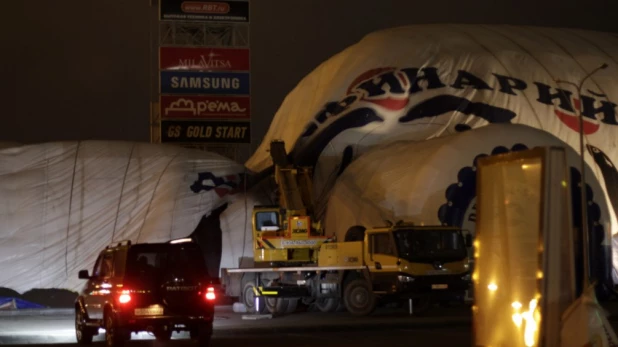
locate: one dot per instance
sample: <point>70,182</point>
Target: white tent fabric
<point>4,145</point>
<point>433,182</point>
<point>420,82</point>
<point>236,225</point>
<point>62,203</point>
<point>408,180</point>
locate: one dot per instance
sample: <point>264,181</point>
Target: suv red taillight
<point>124,297</point>
<point>210,294</point>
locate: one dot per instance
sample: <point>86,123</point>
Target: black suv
<point>154,287</point>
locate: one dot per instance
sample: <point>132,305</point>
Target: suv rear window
<point>165,259</point>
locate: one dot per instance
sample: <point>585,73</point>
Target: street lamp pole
<point>582,154</point>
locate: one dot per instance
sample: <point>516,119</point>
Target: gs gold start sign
<point>198,131</point>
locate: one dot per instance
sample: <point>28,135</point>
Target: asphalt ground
<point>455,337</point>
<point>439,327</point>
<point>442,326</point>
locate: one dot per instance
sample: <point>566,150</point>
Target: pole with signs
<point>587,278</point>
<point>204,74</point>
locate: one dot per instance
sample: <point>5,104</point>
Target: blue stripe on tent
<point>21,304</point>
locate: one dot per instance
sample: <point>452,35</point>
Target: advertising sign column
<point>204,89</point>
<point>219,11</point>
<point>199,91</point>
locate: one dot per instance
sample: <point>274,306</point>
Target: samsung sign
<point>184,82</point>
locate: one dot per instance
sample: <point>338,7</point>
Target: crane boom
<point>294,182</point>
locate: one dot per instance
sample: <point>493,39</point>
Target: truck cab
<point>400,262</point>
<point>418,261</point>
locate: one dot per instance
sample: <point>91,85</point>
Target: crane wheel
<point>327,304</point>
<point>248,298</point>
<point>281,305</point>
<point>358,297</point>
<point>276,305</point>
<point>292,305</point>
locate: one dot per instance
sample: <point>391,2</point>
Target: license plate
<point>439,286</point>
<point>149,311</point>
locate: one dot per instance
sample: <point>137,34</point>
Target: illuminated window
<point>265,221</point>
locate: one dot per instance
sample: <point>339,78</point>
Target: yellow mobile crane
<point>287,233</point>
<point>295,259</point>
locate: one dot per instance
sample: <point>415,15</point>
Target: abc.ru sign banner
<point>204,59</point>
<point>214,83</point>
<point>207,11</point>
<point>205,131</point>
<point>211,106</point>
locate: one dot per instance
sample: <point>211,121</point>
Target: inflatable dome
<point>401,91</point>
<point>433,182</point>
<point>419,82</point>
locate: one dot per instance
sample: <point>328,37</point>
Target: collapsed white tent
<point>8,144</point>
<point>62,203</point>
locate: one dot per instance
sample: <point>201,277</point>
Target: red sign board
<point>204,59</point>
<point>211,106</point>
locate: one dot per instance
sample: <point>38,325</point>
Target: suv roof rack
<point>120,243</point>
<point>183,240</point>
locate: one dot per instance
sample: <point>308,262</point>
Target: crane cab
<point>279,238</point>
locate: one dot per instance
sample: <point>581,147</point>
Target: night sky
<point>80,69</point>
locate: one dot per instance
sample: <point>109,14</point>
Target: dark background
<point>80,69</point>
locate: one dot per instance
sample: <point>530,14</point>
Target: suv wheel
<point>202,334</point>
<point>114,336</point>
<point>194,333</point>
<point>83,333</point>
<point>163,333</point>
